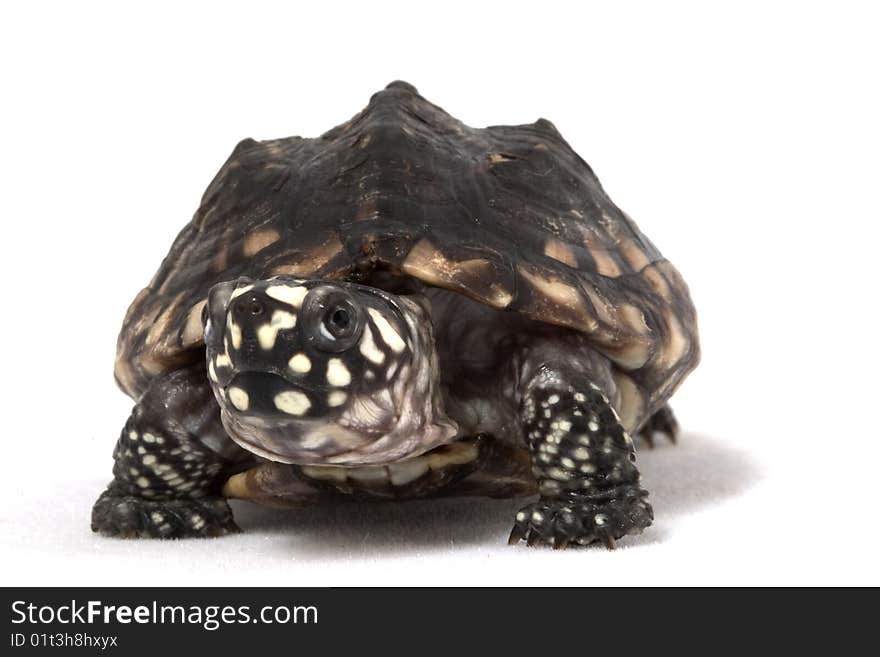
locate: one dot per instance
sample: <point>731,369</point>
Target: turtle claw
<point>608,539</point>
<point>516,535</point>
<point>662,422</point>
<point>578,520</point>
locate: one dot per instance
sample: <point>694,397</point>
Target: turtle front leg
<point>583,460</point>
<point>171,462</point>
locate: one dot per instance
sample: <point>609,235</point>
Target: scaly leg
<point>584,463</point>
<point>170,464</point>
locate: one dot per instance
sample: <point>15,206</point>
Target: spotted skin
<point>170,463</point>
<point>584,463</point>
<point>346,376</point>
<point>275,356</point>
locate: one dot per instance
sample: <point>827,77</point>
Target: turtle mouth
<point>432,464</point>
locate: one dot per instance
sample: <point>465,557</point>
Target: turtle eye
<point>333,319</point>
<point>338,321</point>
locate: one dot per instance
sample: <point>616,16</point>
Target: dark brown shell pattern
<point>509,216</point>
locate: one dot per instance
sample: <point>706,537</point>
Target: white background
<point>743,140</point>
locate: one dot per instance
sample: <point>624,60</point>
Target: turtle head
<point>324,372</point>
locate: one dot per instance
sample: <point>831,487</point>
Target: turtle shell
<point>509,216</point>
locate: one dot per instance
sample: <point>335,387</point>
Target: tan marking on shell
<point>675,342</point>
<point>151,365</point>
<point>430,265</point>
<point>562,294</point>
<point>258,240</point>
<point>637,258</point>
<point>365,140</point>
<point>307,263</point>
<point>193,331</point>
<point>631,354</point>
<point>657,282</point>
<point>676,283</point>
<point>159,330</point>
<point>605,264</point>
<point>604,308</point>
<point>632,401</point>
<point>140,318</point>
<point>496,158</point>
<point>124,374</point>
<point>560,251</point>
<point>633,318</point>
<point>219,262</point>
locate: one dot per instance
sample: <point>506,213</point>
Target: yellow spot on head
<point>336,398</point>
<point>292,402</point>
<point>235,332</point>
<point>300,363</point>
<point>369,349</point>
<point>291,295</point>
<point>240,291</point>
<point>389,335</point>
<point>268,333</point>
<point>337,373</point>
<point>239,398</point>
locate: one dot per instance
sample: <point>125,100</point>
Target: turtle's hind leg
<point>663,422</point>
<point>170,463</point>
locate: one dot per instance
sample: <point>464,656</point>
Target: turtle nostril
<point>250,307</point>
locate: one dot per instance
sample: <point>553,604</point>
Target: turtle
<point>404,307</point>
